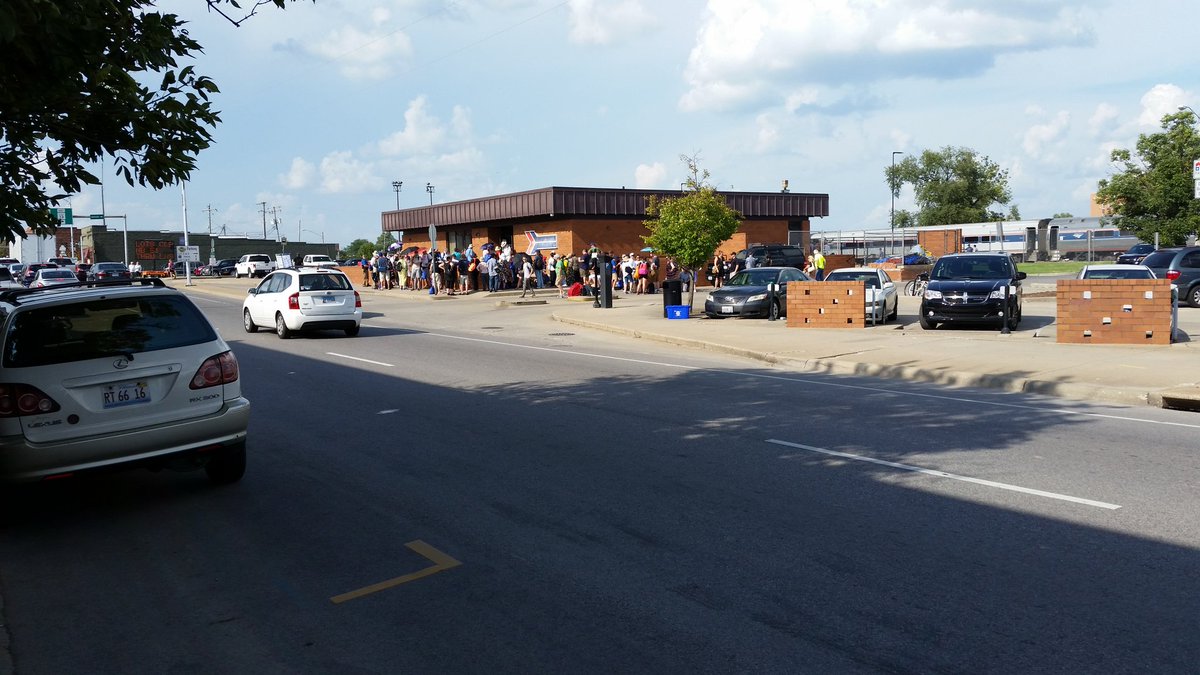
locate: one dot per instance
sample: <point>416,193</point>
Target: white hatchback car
<point>294,300</point>
<point>113,375</point>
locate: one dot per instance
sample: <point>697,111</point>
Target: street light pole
<point>429,189</point>
<point>396,185</point>
<point>892,190</point>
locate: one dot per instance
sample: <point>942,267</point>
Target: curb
<point>1068,390</point>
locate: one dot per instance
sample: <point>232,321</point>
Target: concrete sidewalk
<point>1028,360</point>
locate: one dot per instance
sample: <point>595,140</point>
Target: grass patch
<point>1062,267</point>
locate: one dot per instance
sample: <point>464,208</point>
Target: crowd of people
<point>498,268</point>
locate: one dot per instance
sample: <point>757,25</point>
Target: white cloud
<point>602,22</point>
<point>341,172</point>
<point>299,176</point>
<point>648,176</point>
<point>422,132</point>
<point>1160,100</point>
<point>360,53</point>
<point>1103,119</point>
<point>747,49</point>
<point>1039,136</point>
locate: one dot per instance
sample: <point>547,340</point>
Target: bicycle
<point>917,286</point>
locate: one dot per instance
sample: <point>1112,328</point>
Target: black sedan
<point>748,293</point>
<point>107,271</point>
<point>222,268</point>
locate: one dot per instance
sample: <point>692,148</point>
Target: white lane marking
<point>943,474</point>
<point>842,385</point>
<point>355,358</point>
<point>387,412</point>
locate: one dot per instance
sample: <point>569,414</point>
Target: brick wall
<point>838,262</point>
<point>940,242</point>
<point>826,304</point>
<point>1114,311</point>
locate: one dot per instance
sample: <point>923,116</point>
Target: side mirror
<point>1021,275</point>
<point>252,291</point>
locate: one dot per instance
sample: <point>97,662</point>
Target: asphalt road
<point>497,493</point>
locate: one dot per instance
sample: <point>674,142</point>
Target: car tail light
<point>294,301</point>
<point>1172,274</point>
<point>216,370</point>
<point>19,400</point>
<point>357,299</point>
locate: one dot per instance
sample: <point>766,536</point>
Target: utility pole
<point>264,214</point>
<point>275,221</point>
<point>209,210</point>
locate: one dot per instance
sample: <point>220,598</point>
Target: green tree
<point>1154,191</point>
<point>690,227</point>
<point>385,239</point>
<point>86,80</point>
<point>951,185</point>
<point>359,248</point>
<point>1064,214</point>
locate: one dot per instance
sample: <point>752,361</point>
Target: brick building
<point>570,219</point>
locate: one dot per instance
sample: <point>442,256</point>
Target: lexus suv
<point>973,288</point>
<point>112,374</point>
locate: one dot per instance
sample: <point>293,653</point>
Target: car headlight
<point>931,294</point>
<point>756,298</point>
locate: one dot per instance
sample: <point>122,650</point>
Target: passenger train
<point>1048,238</point>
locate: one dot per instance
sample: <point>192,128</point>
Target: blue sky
<point>325,105</point>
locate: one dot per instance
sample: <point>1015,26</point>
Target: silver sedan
<point>882,296</point>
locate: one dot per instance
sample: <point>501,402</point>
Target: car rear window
<point>325,282</point>
<point>1159,259</point>
<point>95,328</point>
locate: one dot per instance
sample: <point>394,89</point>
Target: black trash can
<point>672,292</point>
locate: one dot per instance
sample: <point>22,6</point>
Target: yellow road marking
<point>440,561</point>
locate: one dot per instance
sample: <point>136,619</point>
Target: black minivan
<point>972,288</point>
<point>1182,266</point>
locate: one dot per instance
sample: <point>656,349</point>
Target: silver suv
<point>105,375</point>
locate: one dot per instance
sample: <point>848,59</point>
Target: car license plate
<point>126,393</point>
<point>327,299</point>
<point>727,309</point>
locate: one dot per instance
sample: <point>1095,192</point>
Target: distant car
<point>305,299</point>
<point>1119,271</point>
<point>107,271</point>
<point>1182,266</point>
<point>61,262</point>
<point>221,268</point>
<point>17,270</point>
<point>6,278</point>
<point>882,297</point>
<point>180,269</point>
<point>30,271</point>
<point>81,271</point>
<point>116,376</point>
<point>317,260</point>
<point>1135,255</point>
<point>747,294</point>
<point>775,255</point>
<point>253,265</point>
<point>53,276</point>
<point>973,288</point>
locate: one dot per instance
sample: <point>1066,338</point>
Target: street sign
<point>1196,170</point>
<point>96,216</point>
<point>63,215</point>
<point>187,253</point>
<point>1196,190</point>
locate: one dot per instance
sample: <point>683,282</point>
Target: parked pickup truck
<point>316,260</point>
<point>253,265</point>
